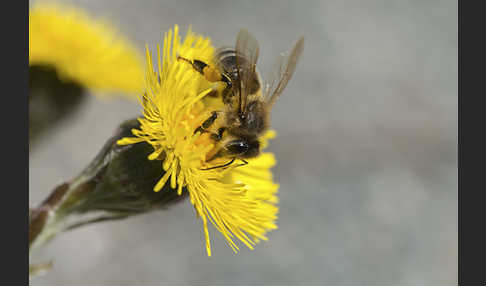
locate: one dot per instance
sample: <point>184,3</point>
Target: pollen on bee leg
<point>212,74</point>
<point>220,86</point>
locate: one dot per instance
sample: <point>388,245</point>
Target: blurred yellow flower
<point>239,201</point>
<point>87,51</point>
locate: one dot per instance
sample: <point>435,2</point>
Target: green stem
<point>117,184</point>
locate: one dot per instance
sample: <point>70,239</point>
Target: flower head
<point>238,200</point>
<point>87,51</point>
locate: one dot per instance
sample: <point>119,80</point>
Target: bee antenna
<point>221,166</point>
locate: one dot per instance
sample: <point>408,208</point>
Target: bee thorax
<point>254,119</point>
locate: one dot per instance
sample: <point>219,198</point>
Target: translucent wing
<point>274,74</point>
<point>247,51</point>
<point>284,72</point>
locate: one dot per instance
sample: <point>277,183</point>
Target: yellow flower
<point>239,201</point>
<point>86,51</point>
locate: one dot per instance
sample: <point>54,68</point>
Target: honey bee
<point>247,106</point>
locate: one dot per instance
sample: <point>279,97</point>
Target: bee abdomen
<point>227,59</point>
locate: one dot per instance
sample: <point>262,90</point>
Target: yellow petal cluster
<point>84,50</point>
<point>240,200</point>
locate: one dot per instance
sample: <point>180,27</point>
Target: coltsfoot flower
<point>240,201</point>
<point>83,50</point>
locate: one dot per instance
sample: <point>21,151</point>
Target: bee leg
<point>218,136</point>
<point>207,123</point>
<point>198,65</point>
<point>213,93</point>
<point>210,73</point>
<point>200,130</point>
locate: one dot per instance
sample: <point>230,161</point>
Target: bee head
<point>243,148</point>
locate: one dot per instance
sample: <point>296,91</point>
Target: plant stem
<point>117,184</point>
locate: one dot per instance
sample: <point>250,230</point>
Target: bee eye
<point>237,147</point>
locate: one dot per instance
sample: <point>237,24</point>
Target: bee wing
<point>247,51</point>
<point>275,74</point>
<point>284,71</point>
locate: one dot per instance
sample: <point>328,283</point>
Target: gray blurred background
<point>366,149</point>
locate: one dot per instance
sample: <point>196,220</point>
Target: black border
<point>471,155</point>
<point>15,155</point>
